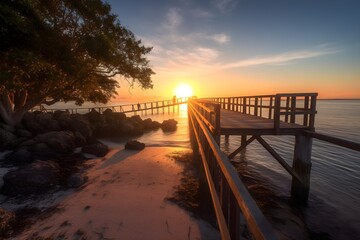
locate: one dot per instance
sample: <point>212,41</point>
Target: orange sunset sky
<point>234,48</point>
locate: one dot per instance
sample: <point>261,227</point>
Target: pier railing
<point>125,108</point>
<point>297,108</point>
<point>229,195</point>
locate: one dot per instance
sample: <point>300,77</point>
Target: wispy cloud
<point>225,6</point>
<point>202,13</point>
<point>199,60</point>
<point>187,61</point>
<point>280,59</point>
<point>220,38</point>
<point>173,19</point>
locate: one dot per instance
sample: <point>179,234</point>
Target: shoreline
<point>125,198</point>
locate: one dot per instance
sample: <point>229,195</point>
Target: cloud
<point>173,19</point>
<point>200,60</point>
<point>202,13</point>
<point>280,59</point>
<point>225,6</point>
<point>185,61</point>
<point>220,38</point>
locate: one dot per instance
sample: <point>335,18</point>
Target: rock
<point>60,115</point>
<point>7,127</point>
<point>113,117</point>
<point>40,122</point>
<point>7,220</point>
<point>147,124</point>
<point>37,177</point>
<point>97,149</point>
<point>108,111</point>
<point>80,140</point>
<point>80,124</point>
<point>119,115</point>
<point>63,118</point>
<point>95,118</point>
<point>23,133</point>
<point>41,150</point>
<point>169,125</point>
<point>155,125</point>
<point>60,142</point>
<point>76,180</point>
<point>6,138</point>
<point>46,122</point>
<point>134,145</point>
<point>137,119</point>
<point>19,156</point>
<point>29,142</point>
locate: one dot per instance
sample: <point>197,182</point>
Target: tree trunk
<point>13,107</point>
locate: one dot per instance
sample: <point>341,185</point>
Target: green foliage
<point>67,50</point>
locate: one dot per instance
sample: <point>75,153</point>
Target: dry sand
<point>125,198</point>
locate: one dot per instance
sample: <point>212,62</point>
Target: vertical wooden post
<point>293,109</point>
<point>277,113</point>
<point>243,140</point>
<point>244,105</point>
<point>216,133</point>
<point>302,166</point>
<point>256,106</point>
<point>313,111</point>
<point>270,106</point>
<point>234,218</point>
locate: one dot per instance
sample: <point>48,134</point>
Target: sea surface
<point>333,209</point>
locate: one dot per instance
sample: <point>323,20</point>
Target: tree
<point>64,50</point>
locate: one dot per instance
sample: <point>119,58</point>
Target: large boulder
<point>155,125</point>
<point>6,138</point>
<point>20,132</point>
<point>149,124</point>
<point>40,122</point>
<point>6,127</point>
<point>169,125</point>
<point>95,118</point>
<point>63,118</point>
<point>59,142</point>
<point>134,145</point>
<point>37,177</point>
<point>20,156</point>
<point>61,115</point>
<point>97,149</point>
<point>81,124</point>
<point>76,180</point>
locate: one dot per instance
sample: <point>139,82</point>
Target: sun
<point>184,90</point>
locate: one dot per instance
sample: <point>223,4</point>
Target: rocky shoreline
<point>48,151</point>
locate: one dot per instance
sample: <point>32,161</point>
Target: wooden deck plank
<point>236,123</point>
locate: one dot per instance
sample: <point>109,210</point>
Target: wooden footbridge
<point>252,117</point>
<point>136,108</point>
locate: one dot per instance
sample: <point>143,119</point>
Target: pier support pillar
<point>243,140</point>
<point>302,167</point>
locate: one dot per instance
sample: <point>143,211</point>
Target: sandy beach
<point>125,198</point>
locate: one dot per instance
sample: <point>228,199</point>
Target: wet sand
<point>125,198</point>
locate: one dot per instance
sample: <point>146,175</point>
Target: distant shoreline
<point>341,99</point>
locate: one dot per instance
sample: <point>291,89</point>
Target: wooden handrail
<point>210,151</point>
<point>125,108</point>
<point>334,140</point>
<point>282,107</point>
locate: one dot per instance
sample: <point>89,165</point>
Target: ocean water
<point>333,209</point>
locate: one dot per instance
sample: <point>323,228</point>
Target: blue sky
<point>246,47</point>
